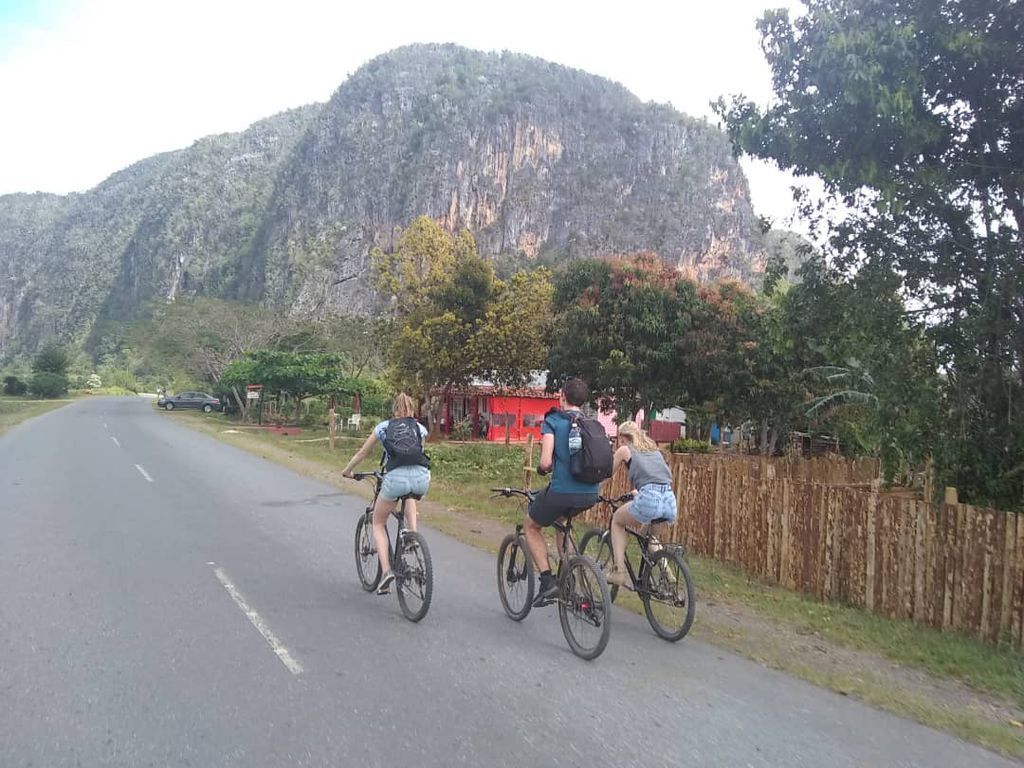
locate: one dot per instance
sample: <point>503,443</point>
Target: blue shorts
<point>655,500</point>
<point>401,481</point>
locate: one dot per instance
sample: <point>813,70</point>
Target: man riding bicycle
<point>564,495</point>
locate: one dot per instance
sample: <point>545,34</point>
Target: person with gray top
<point>651,480</point>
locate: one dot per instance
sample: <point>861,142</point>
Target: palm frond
<point>834,400</point>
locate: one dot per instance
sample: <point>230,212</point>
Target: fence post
<point>528,464</point>
<point>869,552</point>
<point>330,424</point>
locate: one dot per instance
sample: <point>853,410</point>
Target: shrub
<point>94,382</point>
<point>52,358</point>
<point>14,386</point>
<point>685,445</point>
<point>48,385</point>
<point>462,430</point>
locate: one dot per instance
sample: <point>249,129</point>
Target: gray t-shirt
<point>646,467</point>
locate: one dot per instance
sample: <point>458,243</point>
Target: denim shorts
<point>654,500</point>
<point>401,481</point>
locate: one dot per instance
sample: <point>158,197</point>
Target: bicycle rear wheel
<point>367,561</point>
<point>414,577</point>
<point>668,595</point>
<point>584,607</point>
<point>597,545</point>
<point>515,577</point>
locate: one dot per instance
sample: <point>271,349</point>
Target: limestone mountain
<point>540,161</point>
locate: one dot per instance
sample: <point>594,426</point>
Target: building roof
<point>476,389</point>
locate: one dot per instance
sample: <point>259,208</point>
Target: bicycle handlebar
<point>364,475</point>
<point>508,492</point>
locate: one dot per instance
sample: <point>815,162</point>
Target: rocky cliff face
<point>539,161</point>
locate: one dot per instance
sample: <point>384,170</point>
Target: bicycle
<point>584,602</point>
<point>410,557</point>
<point>662,580</point>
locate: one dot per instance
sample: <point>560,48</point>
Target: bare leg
<point>381,510</point>
<point>536,544</point>
<point>620,520</point>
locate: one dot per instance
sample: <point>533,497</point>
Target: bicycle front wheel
<point>668,595</point>
<point>414,577</point>
<point>597,545</point>
<point>584,607</point>
<point>515,577</point>
<point>367,561</point>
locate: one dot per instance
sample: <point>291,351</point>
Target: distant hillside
<point>538,160</point>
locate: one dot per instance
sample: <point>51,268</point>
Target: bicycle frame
<point>643,539</point>
<point>399,514</point>
<point>565,529</point>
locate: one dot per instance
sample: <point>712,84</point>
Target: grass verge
<point>947,681</point>
<point>14,410</point>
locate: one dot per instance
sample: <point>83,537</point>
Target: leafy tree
<point>510,342</point>
<point>52,358</point>
<point>299,375</point>
<point>617,325</point>
<point>421,261</point>
<point>201,337</point>
<point>910,113</point>
<point>48,385</point>
<point>14,386</point>
<point>94,381</point>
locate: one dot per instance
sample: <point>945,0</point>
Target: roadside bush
<point>14,386</point>
<point>462,430</point>
<point>47,386</point>
<point>94,382</point>
<point>685,445</point>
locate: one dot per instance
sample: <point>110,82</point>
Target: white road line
<point>115,441</point>
<point>282,653</point>
<point>144,473</point>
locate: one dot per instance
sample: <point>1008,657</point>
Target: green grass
<point>14,410</point>
<point>984,667</point>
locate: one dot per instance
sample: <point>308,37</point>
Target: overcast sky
<point>88,88</point>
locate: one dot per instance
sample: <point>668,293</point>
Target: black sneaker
<point>548,591</point>
<point>384,588</point>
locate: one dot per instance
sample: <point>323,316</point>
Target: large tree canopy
<point>910,111</point>
<point>453,319</point>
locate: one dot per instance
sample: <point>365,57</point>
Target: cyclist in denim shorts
<point>406,471</point>
<point>651,480</point>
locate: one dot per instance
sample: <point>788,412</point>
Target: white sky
<point>89,88</point>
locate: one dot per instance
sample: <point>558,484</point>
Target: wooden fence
<point>950,566</point>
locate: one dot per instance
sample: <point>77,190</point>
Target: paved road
<point>121,646</point>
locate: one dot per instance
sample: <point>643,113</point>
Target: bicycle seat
<point>415,496</point>
<point>659,520</point>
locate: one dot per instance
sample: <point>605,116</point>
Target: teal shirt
<point>562,480</point>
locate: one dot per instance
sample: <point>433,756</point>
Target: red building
<point>490,411</point>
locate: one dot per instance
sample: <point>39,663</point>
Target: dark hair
<point>576,392</point>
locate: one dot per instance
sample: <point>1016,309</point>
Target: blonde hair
<point>403,406</point>
<point>637,436</point>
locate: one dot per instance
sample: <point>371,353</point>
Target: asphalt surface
<point>120,644</point>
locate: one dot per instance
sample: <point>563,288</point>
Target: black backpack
<point>592,463</point>
<point>403,444</point>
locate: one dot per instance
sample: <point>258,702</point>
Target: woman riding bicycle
<point>407,471</point>
<point>651,480</point>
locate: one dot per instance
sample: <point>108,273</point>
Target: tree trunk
<point>434,406</point>
<point>243,405</point>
